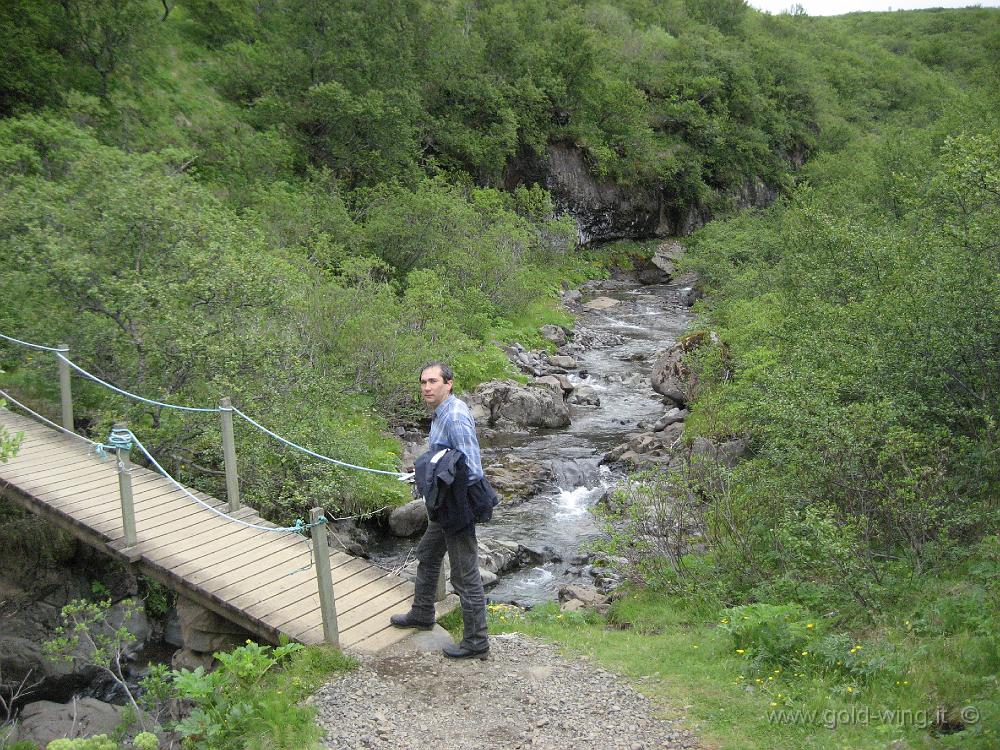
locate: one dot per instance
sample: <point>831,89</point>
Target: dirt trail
<point>525,695</point>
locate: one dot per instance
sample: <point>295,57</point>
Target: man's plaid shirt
<point>454,427</point>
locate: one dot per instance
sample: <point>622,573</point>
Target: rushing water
<point>646,320</point>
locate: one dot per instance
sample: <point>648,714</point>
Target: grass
<point>688,664</point>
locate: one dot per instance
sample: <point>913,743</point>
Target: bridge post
<point>229,454</point>
<point>65,392</point>
<point>324,579</point>
<point>125,490</point>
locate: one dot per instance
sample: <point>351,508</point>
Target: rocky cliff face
<point>606,211</point>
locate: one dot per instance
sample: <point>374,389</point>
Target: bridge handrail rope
<point>122,437</point>
<point>125,438</point>
<point>60,353</point>
<point>40,347</point>
<point>49,422</point>
<point>402,476</point>
<point>91,376</point>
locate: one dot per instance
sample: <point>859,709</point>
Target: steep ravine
<point>622,342</point>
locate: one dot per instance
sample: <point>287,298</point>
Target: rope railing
<point>122,440</point>
<point>28,344</point>
<point>49,422</point>
<point>402,476</point>
<point>61,354</point>
<point>127,394</point>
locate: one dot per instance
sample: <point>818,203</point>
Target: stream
<point>645,321</point>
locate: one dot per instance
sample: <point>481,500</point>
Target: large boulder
<point>575,597</point>
<point>558,381</point>
<point>205,632</point>
<point>584,395</point>
<point>556,334</point>
<point>408,520</point>
<point>650,449</point>
<point>668,256</point>
<point>562,361</point>
<point>44,721</point>
<point>671,417</point>
<point>662,266</point>
<point>601,303</point>
<point>505,404</point>
<point>517,478</point>
<point>726,452</point>
<point>670,377</point>
<point>498,556</point>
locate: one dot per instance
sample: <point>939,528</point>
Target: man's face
<point>433,388</point>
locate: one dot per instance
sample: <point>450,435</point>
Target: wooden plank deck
<point>260,580</point>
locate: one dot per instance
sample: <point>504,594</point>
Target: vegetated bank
<point>837,586</point>
<point>294,205</point>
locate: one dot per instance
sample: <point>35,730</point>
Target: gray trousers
<point>465,579</point>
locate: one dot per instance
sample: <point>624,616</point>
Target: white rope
<point>49,422</point>
<point>116,389</point>
<point>60,353</point>
<point>401,476</point>
<point>298,528</point>
<point>40,347</point>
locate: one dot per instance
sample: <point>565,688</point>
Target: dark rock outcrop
<point>604,210</point>
<point>670,377</point>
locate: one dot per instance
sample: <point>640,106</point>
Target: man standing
<point>452,428</point>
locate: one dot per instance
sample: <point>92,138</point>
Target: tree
<point>108,34</point>
<point>90,635</point>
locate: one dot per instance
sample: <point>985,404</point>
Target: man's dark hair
<point>447,374</point>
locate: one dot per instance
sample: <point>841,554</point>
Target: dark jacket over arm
<point>445,487</point>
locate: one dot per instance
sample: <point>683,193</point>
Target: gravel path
<point>525,695</point>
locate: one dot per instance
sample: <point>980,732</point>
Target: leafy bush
<point>771,634</point>
<point>255,693</point>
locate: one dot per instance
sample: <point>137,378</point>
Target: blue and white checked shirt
<point>454,427</point>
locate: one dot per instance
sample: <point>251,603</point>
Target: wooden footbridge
<point>271,584</point>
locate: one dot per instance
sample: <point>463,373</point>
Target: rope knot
<point>121,438</point>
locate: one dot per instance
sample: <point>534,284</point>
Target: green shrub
<point>97,742</point>
<point>768,635</point>
<point>243,699</point>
